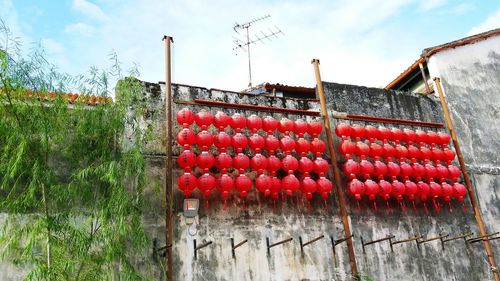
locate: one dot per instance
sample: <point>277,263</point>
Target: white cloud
<point>427,5</point>
<point>89,9</point>
<point>52,46</point>
<point>492,22</point>
<point>461,9</point>
<point>80,28</point>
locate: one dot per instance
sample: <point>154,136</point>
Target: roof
<point>428,52</point>
<point>286,88</point>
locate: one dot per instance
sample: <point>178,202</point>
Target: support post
<point>169,199</point>
<point>336,170</point>
<point>468,184</point>
<point>424,77</point>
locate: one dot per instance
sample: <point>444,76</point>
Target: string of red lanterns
<point>299,173</point>
<point>404,164</point>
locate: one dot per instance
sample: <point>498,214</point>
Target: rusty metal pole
<point>468,184</point>
<point>169,200</point>
<point>422,71</point>
<point>336,170</point>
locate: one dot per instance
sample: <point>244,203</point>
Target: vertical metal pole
<point>249,65</point>
<point>468,184</point>
<point>169,200</point>
<point>427,88</point>
<point>336,170</point>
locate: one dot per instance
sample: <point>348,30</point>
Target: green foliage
<point>71,175</point>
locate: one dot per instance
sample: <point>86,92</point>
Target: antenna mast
<point>246,45</point>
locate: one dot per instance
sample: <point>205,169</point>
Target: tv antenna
<point>245,45</point>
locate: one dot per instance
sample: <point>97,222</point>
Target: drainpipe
<point>336,170</point>
<point>468,184</point>
<point>427,88</point>
<point>169,199</point>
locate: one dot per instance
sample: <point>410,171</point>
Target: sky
<point>362,42</point>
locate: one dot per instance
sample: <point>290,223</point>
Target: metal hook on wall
<point>302,245</point>
<point>269,246</point>
<point>463,235</point>
<point>196,248</point>
<point>335,243</point>
<point>157,251</point>
<point>409,239</point>
<point>482,238</point>
<point>440,237</point>
<point>233,247</point>
<point>388,237</point>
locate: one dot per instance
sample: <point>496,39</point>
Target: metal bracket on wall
<point>302,245</point>
<point>482,238</point>
<point>233,247</point>
<point>440,237</point>
<point>269,246</point>
<point>196,248</point>
<point>463,235</point>
<point>158,251</point>
<point>409,239</point>
<point>389,237</point>
<point>335,243</point>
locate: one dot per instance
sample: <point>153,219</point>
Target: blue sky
<point>364,42</point>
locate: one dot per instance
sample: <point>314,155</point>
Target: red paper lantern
<point>243,185</point>
<point>358,132</point>
<point>423,190</point>
<point>256,143</point>
<point>384,133</point>
<point>240,142</point>
<point>204,119</point>
<point>401,152</point>
<point>389,151</point>
<point>287,144</point>
<point>272,143</point>
<point>371,189</point>
<point>289,164</point>
<point>186,138</point>
<point>302,146</point>
<point>405,169</point>
<point>459,191</point>
<point>425,153</point>
<point>241,162</point>
<point>205,160</point>
<point>187,160</point>
<point>348,148</point>
<point>314,128</point>
<point>351,168</point>
<point>221,120</point>
<point>186,183</point>
<point>254,123</point>
<point>380,169</point>
<point>444,139</point>
<point>275,188</point>
<point>320,166</point>
<point>204,139</point>
<point>269,124</point>
<point>397,135</point>
<point>366,168</point>
<point>206,184</point>
<point>286,126</point>
<point>385,189</point>
<point>263,184</point>
<point>433,138</point>
<point>398,189</point>
<point>185,117</point>
<point>437,155</point>
<point>393,169</point>
<point>308,187</point>
<point>238,122</point>
<point>300,127</point>
<point>225,184</point>
<point>223,162</point>
<point>453,172</point>
<point>418,170</point>
<point>435,189</point>
<point>430,171</point>
<point>421,137</point>
<point>343,130</point>
<point>448,155</point>
<point>259,163</point>
<point>291,184</point>
<point>376,150</point>
<point>318,146</point>
<point>409,136</point>
<point>442,172</point>
<point>305,165</point>
<point>324,187</point>
<point>222,141</point>
<point>410,190</point>
<point>447,191</point>
<point>273,164</point>
<point>362,149</point>
<point>414,153</point>
<point>371,133</point>
<point>356,188</point>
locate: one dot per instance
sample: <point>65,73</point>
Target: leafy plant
<point>71,175</point>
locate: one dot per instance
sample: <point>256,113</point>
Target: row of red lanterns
<point>186,117</point>
<point>396,135</point>
<point>268,185</point>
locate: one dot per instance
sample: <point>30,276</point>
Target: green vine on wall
<point>71,175</point>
